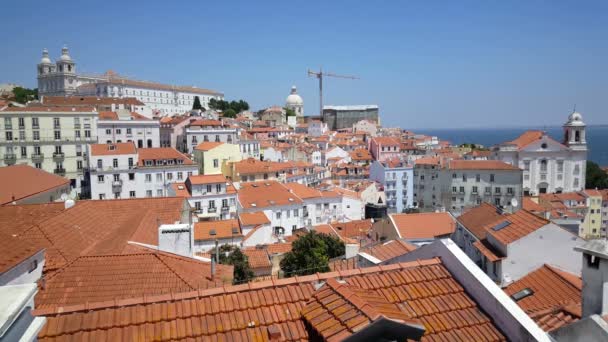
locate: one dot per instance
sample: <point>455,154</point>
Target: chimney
<point>595,277</point>
<point>176,239</point>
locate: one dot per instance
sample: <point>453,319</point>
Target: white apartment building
<point>50,138</point>
<point>397,177</point>
<point>549,166</point>
<point>199,131</point>
<point>126,126</point>
<point>60,79</point>
<point>120,170</point>
<point>211,196</point>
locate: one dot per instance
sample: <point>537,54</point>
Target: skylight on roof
<point>501,225</point>
<point>517,296</point>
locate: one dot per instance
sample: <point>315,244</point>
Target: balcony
<point>225,209</point>
<point>58,156</point>
<point>76,126</point>
<point>211,209</point>
<point>10,158</point>
<point>59,172</point>
<point>117,186</point>
<point>37,157</point>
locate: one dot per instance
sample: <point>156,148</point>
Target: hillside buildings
<point>397,178</point>
<point>548,165</point>
<point>60,79</point>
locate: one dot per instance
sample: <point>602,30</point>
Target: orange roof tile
<point>422,290</point>
<point>265,194</point>
<point>89,101</point>
<point>521,224</point>
<point>207,145</point>
<point>353,229</point>
<point>387,141</point>
<point>206,179</point>
<point>50,109</point>
<point>526,139</point>
<point>253,219</point>
<point>343,264</point>
<point>279,248</point>
<point>211,230</point>
<point>114,116</point>
<point>257,258</point>
<point>480,165</point>
<point>113,149</point>
<point>15,251</point>
<point>423,225</point>
<point>206,122</point>
<point>111,277</point>
<point>555,291</point>
<point>389,250</point>
<point>530,205</point>
<point>161,153</point>
<point>487,250</point>
<point>18,182</point>
<point>303,191</point>
<point>475,219</point>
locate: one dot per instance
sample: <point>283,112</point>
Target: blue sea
<point>597,137</point>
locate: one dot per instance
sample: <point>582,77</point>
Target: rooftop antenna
<point>574,110</point>
<point>320,74</point>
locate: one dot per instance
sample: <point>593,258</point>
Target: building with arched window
<point>549,166</point>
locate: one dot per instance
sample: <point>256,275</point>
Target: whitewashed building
<point>126,126</point>
<point>120,170</point>
<point>548,165</point>
<point>397,178</point>
<point>51,138</point>
<point>60,79</point>
<point>199,131</point>
<point>211,196</point>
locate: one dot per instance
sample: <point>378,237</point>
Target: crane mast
<point>319,75</point>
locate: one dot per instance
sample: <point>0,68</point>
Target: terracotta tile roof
<point>253,219</point>
<point>487,250</point>
<point>480,165</point>
<point>117,79</point>
<point>161,153</point>
<point>110,277</point>
<point>530,205</point>
<point>389,250</point>
<point>361,154</point>
<point>526,139</point>
<point>593,192</point>
<point>428,161</point>
<point>113,149</point>
<point>343,264</point>
<point>75,232</point>
<point>15,219</point>
<point>387,141</point>
<point>556,299</point>
<point>423,290</point>
<point>180,189</point>
<point>211,230</point>
<point>279,248</point>
<point>521,224</point>
<point>114,116</point>
<point>207,145</point>
<point>206,179</point>
<point>18,182</point>
<point>353,229</point>
<point>15,251</point>
<point>303,191</point>
<point>89,101</point>
<point>476,219</point>
<point>257,258</point>
<point>423,225</point>
<point>254,166</point>
<point>266,194</point>
<point>206,123</point>
<point>338,310</point>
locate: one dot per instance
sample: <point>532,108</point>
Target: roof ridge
<point>231,288</point>
<point>558,272</point>
<point>174,272</point>
<point>353,298</point>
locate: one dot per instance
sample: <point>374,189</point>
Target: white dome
<point>65,56</point>
<point>45,57</point>
<point>575,119</point>
<point>294,99</point>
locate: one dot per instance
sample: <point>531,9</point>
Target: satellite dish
<point>64,197</point>
<point>514,202</point>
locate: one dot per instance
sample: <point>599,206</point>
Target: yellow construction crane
<point>320,74</point>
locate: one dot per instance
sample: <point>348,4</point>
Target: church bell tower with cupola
<point>574,132</point>
<point>66,72</point>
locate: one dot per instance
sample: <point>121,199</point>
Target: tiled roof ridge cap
<point>354,299</point>
<point>174,272</point>
<point>228,289</point>
<point>555,270</point>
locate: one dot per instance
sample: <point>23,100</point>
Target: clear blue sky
<point>428,64</point>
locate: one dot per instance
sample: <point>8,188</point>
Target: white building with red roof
<point>121,170</point>
<point>211,196</point>
<point>549,166</point>
<point>123,125</point>
<point>203,130</point>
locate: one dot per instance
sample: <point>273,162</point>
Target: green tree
<point>232,255</point>
<point>289,111</point>
<point>197,104</point>
<point>229,113</point>
<point>311,253</point>
<point>595,176</point>
<point>23,95</point>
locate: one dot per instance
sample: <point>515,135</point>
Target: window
<point>102,196</point>
<point>180,175</point>
<point>116,178</point>
<point>23,151</point>
<point>464,177</point>
<point>148,193</point>
<point>99,164</point>
<point>560,166</point>
<point>115,162</point>
<point>218,188</point>
<point>577,169</point>
<point>296,213</point>
<point>38,165</point>
<point>87,134</point>
<point>108,131</point>
<point>169,176</point>
<point>159,177</point>
<point>9,136</point>
<point>208,188</point>
<point>216,163</point>
<point>78,150</point>
<point>454,189</point>
<point>225,203</point>
<point>35,122</point>
<point>79,164</point>
<point>488,190</point>
<point>132,194</point>
<point>491,177</point>
<point>22,135</point>
<point>128,130</point>
<point>130,162</point>
<point>197,205</point>
<point>118,131</point>
<point>56,123</point>
<point>100,179</point>
<point>36,135</point>
<point>454,176</point>
<point>478,178</point>
<point>57,135</point>
<point>148,178</point>
<point>217,138</point>
<point>474,189</point>
<point>37,150</point>
<point>212,204</point>
<point>278,215</point>
<point>159,193</point>
<point>526,165</point>
<point>497,190</point>
<point>543,165</point>
<point>510,191</point>
<point>462,189</point>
